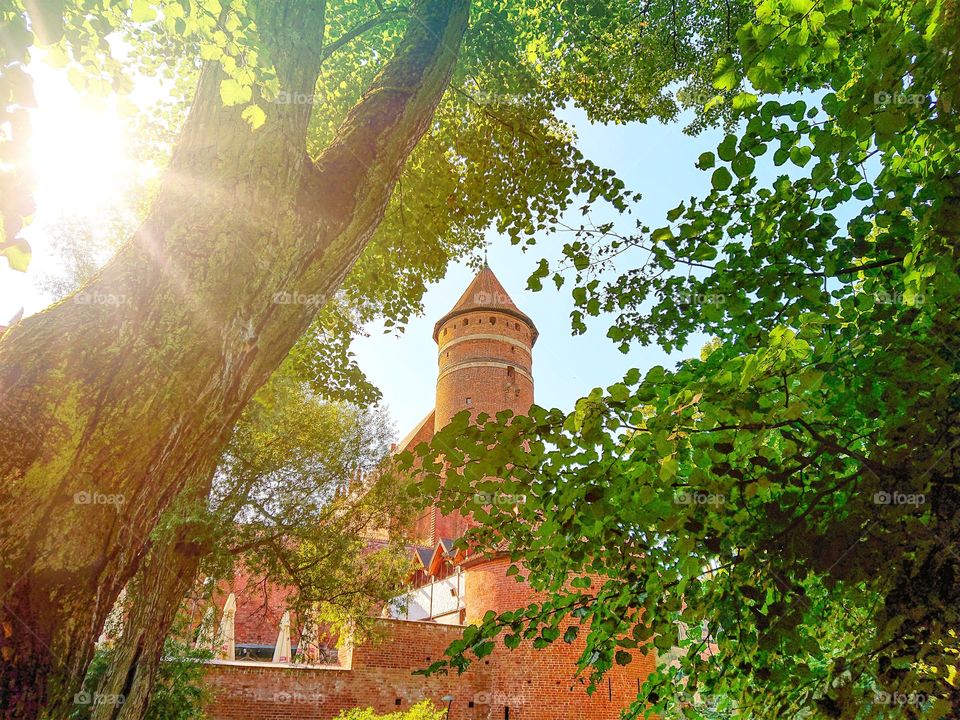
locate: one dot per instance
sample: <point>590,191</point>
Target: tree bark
<point>155,593</point>
<point>112,398</point>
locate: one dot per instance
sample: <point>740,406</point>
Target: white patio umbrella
<point>282,651</point>
<point>205,633</point>
<point>225,638</point>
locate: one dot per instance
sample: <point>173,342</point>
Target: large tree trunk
<point>154,596</point>
<point>112,398</point>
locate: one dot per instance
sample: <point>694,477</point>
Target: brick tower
<point>485,346</point>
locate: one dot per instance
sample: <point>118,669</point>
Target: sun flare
<point>79,151</point>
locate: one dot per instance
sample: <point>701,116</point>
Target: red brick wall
<point>379,676</point>
<point>535,685</point>
<point>487,587</point>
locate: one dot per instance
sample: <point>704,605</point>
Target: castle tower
<point>485,346</point>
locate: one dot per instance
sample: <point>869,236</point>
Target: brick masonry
<point>485,345</point>
<point>533,684</point>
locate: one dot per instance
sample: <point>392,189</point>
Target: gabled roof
<point>485,293</point>
<point>442,550</point>
<point>424,554</point>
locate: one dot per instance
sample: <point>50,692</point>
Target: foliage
<point>423,710</point>
<point>794,490</point>
<point>508,163</point>
<point>300,494</point>
<point>179,693</point>
<point>495,142</point>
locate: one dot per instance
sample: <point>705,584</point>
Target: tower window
<point>510,372</point>
<point>445,332</point>
<point>469,401</point>
<point>466,321</point>
<point>516,325</point>
<point>513,349</point>
<point>493,321</point>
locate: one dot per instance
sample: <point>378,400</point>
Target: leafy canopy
<point>782,512</point>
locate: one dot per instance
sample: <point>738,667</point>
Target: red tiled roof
<point>485,292</point>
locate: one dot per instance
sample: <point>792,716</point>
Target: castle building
<point>485,364</point>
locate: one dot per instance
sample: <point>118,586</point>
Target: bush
<point>424,710</point>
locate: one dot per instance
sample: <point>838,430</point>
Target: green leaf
<point>725,74</point>
<point>18,254</point>
<point>662,234</point>
<point>744,102</point>
<point>743,165</point>
<point>619,392</point>
<point>721,179</point>
<point>727,149</point>
<point>142,11</point>
<point>668,468</point>
<point>254,115</point>
<point>800,155</point>
<point>233,93</point>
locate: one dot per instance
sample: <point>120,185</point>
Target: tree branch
<point>350,35</point>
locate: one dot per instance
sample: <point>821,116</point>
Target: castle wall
<point>485,365</point>
<point>533,684</point>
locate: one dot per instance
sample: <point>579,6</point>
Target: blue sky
<point>654,159</point>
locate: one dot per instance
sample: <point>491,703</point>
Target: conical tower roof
<point>485,293</point>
